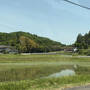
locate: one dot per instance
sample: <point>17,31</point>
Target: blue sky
<point>55,19</point>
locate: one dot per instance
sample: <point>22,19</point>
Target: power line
<point>82,6</point>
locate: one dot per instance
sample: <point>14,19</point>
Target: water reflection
<point>66,72</point>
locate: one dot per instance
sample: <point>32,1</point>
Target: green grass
<point>44,84</point>
<point>26,72</point>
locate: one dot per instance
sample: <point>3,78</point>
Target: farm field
<point>30,72</point>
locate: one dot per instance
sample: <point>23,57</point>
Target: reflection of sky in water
<point>63,73</point>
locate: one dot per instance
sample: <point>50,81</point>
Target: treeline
<point>83,41</point>
<point>29,43</point>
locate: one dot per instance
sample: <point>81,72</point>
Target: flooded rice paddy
<point>63,73</point>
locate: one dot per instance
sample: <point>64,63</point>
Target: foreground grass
<point>44,84</point>
<point>26,72</point>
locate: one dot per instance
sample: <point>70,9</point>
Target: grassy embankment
<point>26,72</point>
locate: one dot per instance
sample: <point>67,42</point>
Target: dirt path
<point>79,88</point>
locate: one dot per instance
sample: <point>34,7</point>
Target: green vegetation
<point>83,44</point>
<point>28,72</point>
<point>84,52</point>
<point>83,41</point>
<point>26,42</point>
<point>44,84</point>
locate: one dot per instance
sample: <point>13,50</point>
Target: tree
<point>79,38</point>
<point>27,45</point>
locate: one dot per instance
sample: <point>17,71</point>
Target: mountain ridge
<point>27,42</point>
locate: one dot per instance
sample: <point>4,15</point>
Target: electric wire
<point>82,6</point>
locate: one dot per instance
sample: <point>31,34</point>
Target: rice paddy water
<point>63,73</point>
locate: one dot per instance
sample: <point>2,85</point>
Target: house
<point>7,49</point>
<point>70,49</point>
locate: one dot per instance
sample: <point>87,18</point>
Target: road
<point>79,88</point>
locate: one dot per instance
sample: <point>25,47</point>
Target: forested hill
<point>83,41</point>
<point>26,42</point>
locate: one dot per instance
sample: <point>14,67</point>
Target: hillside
<point>26,42</point>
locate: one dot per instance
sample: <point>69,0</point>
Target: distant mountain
<point>26,42</point>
